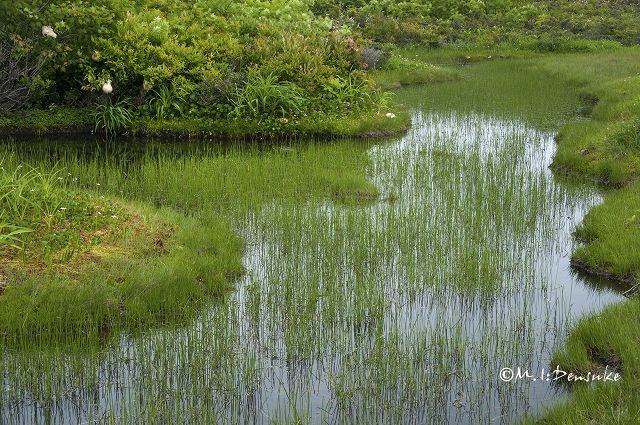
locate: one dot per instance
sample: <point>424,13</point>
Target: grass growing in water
<point>402,70</point>
<point>605,149</point>
<point>398,309</point>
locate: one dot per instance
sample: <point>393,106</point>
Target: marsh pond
<point>399,304</point>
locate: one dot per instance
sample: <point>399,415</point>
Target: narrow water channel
<point>400,310</point>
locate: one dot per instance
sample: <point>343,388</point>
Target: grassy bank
<point>610,339</point>
<point>604,147</point>
<point>67,121</point>
<point>74,263</point>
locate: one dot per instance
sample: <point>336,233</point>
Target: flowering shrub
<point>170,59</point>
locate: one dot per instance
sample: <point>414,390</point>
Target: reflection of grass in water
<point>377,312</point>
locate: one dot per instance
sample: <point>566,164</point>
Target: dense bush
<point>487,22</point>
<point>168,59</point>
<point>19,77</point>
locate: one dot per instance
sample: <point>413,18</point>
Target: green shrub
<point>264,96</point>
<point>169,102</point>
<point>11,235</point>
<point>112,118</point>
<point>145,46</point>
<point>191,59</point>
<point>347,93</point>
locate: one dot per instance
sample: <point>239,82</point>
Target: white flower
<point>391,115</point>
<point>47,31</point>
<point>107,88</point>
<point>63,209</point>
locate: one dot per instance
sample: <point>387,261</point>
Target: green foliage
<point>168,102</point>
<point>350,92</point>
<point>192,59</point>
<point>112,118</point>
<point>26,192</point>
<point>203,60</point>
<point>264,96</point>
<point>12,235</point>
<point>488,22</point>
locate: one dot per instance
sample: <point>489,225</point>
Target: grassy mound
<point>609,339</point>
<point>606,149</point>
<point>75,264</point>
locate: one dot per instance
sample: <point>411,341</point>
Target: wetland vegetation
<point>283,276</point>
